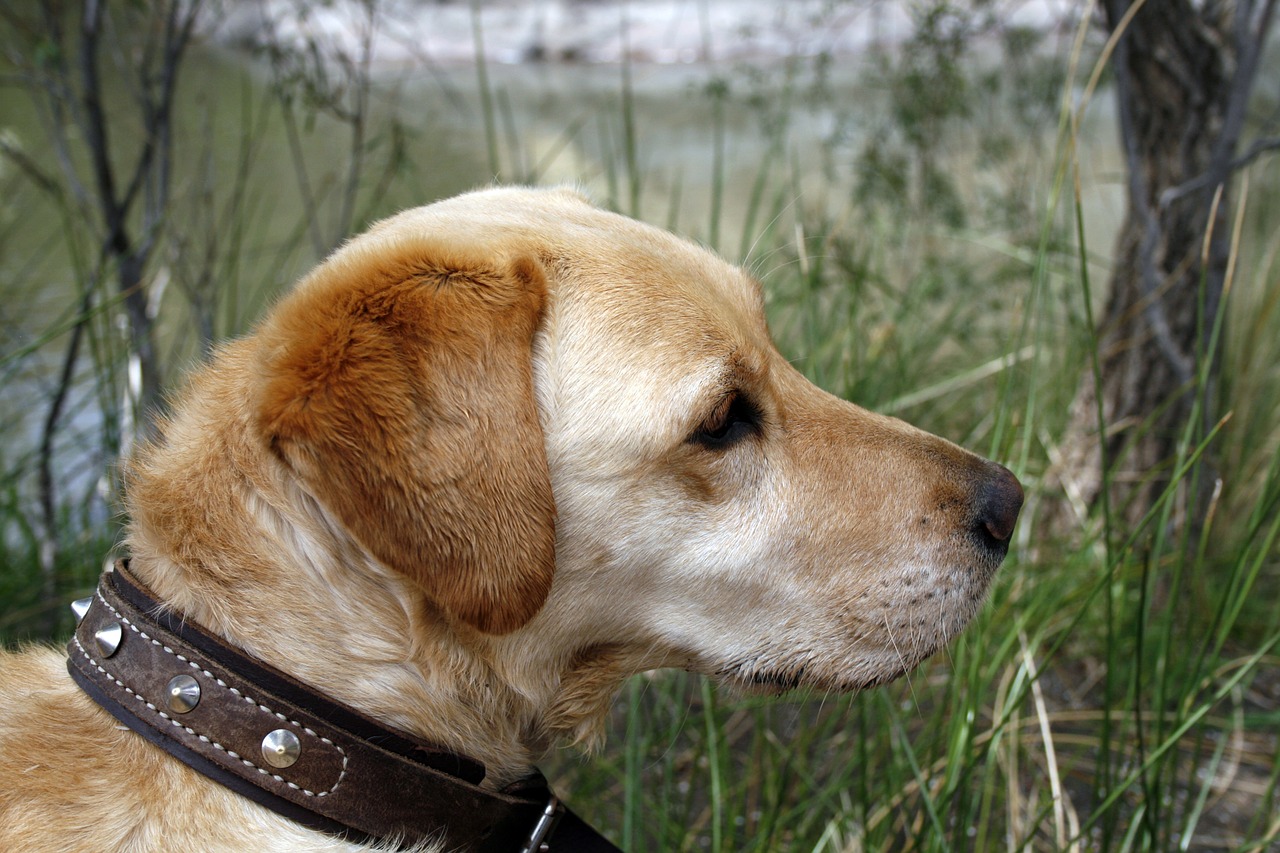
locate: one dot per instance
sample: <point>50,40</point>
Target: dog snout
<point>999,500</point>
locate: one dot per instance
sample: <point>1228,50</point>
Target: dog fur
<point>488,460</point>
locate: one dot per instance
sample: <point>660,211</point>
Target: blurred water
<point>688,145</point>
<point>552,123</point>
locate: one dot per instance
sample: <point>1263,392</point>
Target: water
<point>685,145</point>
<point>265,203</point>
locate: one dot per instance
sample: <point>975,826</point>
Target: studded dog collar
<point>285,746</point>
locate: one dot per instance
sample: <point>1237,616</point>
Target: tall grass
<point>1119,692</point>
<point>1121,689</point>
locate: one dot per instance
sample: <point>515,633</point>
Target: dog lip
<point>994,550</point>
<point>774,682</point>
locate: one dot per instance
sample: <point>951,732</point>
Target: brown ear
<point>397,383</point>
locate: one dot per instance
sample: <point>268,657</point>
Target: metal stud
<point>184,693</point>
<point>109,638</point>
<point>281,748</point>
<point>80,607</point>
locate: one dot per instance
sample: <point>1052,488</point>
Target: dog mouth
<point>771,682</point>
<point>755,678</point>
<point>867,636</point>
<point>866,650</point>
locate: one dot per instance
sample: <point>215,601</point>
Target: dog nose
<point>999,501</point>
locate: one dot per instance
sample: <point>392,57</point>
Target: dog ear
<point>397,382</point>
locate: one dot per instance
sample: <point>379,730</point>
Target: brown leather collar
<point>277,741</point>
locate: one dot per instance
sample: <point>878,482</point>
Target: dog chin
<point>755,680</point>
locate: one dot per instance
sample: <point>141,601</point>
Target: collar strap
<point>285,746</point>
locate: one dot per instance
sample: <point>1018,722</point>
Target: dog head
<point>572,432</point>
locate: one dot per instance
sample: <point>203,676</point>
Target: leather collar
<point>282,744</point>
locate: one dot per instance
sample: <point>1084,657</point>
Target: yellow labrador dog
<point>488,460</point>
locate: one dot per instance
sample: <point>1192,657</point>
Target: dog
<point>484,463</point>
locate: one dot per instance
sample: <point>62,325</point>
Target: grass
<point>1120,691</point>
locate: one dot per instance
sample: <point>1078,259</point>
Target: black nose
<point>999,500</point>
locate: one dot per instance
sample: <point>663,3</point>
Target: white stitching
<point>204,739</point>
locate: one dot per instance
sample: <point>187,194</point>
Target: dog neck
<point>364,639</point>
<point>319,763</point>
<point>368,639</point>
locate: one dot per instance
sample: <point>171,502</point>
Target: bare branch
<point>361,70</point>
<point>157,109</point>
<point>45,455</point>
<point>95,126</point>
<point>1201,181</point>
<point>30,168</point>
<point>1256,150</point>
<point>1250,37</point>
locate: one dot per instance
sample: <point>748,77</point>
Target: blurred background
<point>1046,230</point>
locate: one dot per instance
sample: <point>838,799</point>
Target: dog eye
<point>733,419</point>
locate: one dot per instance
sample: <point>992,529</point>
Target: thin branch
<point>95,126</point>
<point>50,549</point>
<point>157,122</point>
<point>1249,41</point>
<point>1250,30</point>
<point>30,168</point>
<point>1256,150</point>
<point>1250,37</point>
<point>1203,180</point>
<point>361,71</point>
<point>59,109</point>
<point>309,197</point>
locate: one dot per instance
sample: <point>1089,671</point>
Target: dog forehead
<point>624,297</point>
<point>591,253</point>
<point>635,298</point>
<point>640,328</point>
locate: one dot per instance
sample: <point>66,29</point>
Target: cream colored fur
<point>823,545</point>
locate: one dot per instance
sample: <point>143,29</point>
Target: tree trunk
<point>1183,72</point>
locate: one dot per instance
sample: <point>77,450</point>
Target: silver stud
<point>80,607</point>
<point>109,638</point>
<point>184,693</point>
<point>281,748</point>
